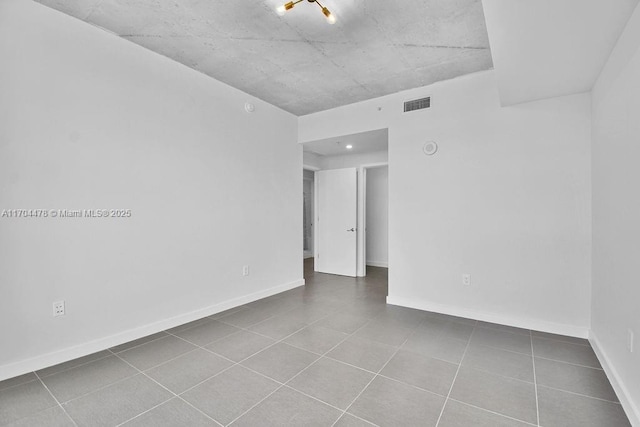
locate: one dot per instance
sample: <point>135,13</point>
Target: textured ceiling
<point>298,62</point>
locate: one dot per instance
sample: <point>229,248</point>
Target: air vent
<point>417,104</point>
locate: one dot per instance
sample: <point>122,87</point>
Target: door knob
<point>352,229</point>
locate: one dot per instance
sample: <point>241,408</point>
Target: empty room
<point>319,213</point>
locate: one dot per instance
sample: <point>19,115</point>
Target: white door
<point>336,222</point>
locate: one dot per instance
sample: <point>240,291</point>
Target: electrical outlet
<point>466,279</point>
<point>630,340</point>
<point>58,308</point>
<point>245,270</point>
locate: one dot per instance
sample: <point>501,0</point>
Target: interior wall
<point>377,233</point>
<point>311,160</point>
<point>506,199</point>
<point>91,121</point>
<point>616,209</point>
<point>353,160</point>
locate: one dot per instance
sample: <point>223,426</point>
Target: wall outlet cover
<point>58,308</point>
<point>466,279</point>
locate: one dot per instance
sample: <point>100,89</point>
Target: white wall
<point>506,199</point>
<point>353,160</point>
<point>578,37</point>
<point>88,121</point>
<point>616,214</point>
<point>377,234</point>
<point>311,160</point>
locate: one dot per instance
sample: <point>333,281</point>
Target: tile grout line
<point>580,394</point>
<point>117,354</point>
<point>147,411</point>
<point>56,399</point>
<point>354,416</point>
<point>234,363</point>
<point>542,357</point>
<point>100,388</point>
<point>540,337</point>
<point>246,328</point>
<point>570,363</point>
<point>20,384</point>
<point>179,396</point>
<point>255,405</point>
<point>111,349</point>
<point>507,377</point>
<point>174,394</point>
<point>492,412</point>
<point>535,380</point>
<point>377,374</point>
<point>475,368</point>
<point>285,384</point>
<point>532,334</point>
<point>73,367</point>
<point>364,369</point>
<point>455,377</point>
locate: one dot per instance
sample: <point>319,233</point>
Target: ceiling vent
<point>417,104</point>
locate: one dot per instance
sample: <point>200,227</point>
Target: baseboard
<point>60,356</point>
<point>518,322</point>
<point>378,264</point>
<point>616,381</point>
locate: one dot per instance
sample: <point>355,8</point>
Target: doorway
<point>377,217</point>
<point>356,235</point>
<point>308,207</point>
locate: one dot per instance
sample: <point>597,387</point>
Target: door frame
<point>314,211</point>
<point>361,235</point>
<point>361,257</point>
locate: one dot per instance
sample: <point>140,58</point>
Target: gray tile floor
<point>330,353</point>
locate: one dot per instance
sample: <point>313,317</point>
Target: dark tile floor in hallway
<point>331,353</point>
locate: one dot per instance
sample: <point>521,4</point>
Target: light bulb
<point>282,9</point>
<point>330,18</point>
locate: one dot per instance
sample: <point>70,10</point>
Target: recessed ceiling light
<point>349,147</point>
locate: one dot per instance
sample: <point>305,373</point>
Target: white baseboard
<point>378,264</point>
<point>616,381</point>
<point>518,322</point>
<point>80,350</point>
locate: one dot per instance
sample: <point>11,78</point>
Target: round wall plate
<point>249,107</point>
<point>430,148</point>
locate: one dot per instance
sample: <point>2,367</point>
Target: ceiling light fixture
<point>331,19</point>
<point>349,147</point>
